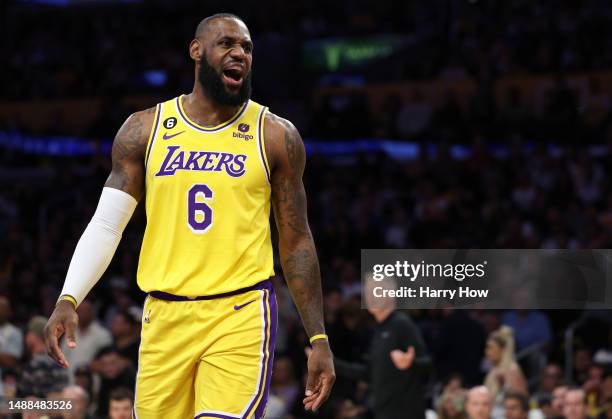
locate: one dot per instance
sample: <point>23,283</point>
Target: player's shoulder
<point>280,132</point>
<point>133,135</point>
<point>282,139</point>
<point>144,116</point>
<point>140,119</point>
<point>277,127</point>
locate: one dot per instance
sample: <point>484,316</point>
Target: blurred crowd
<point>88,50</point>
<point>111,51</point>
<point>569,113</point>
<point>530,198</point>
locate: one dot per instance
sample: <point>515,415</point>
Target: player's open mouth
<point>233,77</point>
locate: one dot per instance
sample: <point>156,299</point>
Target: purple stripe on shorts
<point>261,408</point>
<point>159,111</point>
<point>266,351</point>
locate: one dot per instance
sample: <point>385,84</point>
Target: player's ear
<point>195,50</point>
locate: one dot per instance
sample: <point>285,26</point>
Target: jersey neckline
<point>193,124</point>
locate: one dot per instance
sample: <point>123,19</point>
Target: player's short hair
<point>122,393</point>
<point>204,22</point>
<point>521,398</point>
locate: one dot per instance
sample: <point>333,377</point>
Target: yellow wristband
<point>67,297</point>
<point>318,337</point>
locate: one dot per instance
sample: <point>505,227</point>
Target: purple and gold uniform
<point>210,318</point>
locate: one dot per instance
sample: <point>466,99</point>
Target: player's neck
<point>202,109</point>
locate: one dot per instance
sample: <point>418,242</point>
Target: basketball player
<point>212,163</point>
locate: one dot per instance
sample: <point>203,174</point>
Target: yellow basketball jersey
<point>207,204</point>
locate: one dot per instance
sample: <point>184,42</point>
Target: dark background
<point>438,124</point>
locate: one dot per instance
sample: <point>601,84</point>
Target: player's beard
<point>213,86</point>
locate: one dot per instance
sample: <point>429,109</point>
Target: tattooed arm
<point>287,157</point>
<point>128,154</point>
<point>122,190</point>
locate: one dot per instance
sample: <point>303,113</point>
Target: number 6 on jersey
<point>195,207</point>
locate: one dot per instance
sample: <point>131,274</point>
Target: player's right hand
<point>64,320</point>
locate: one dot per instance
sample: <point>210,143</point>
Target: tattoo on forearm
<point>301,265</point>
<point>290,205</point>
<point>301,269</point>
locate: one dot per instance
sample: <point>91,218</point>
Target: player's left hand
<point>321,375</point>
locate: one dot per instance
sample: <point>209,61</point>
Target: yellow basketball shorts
<point>209,358</point>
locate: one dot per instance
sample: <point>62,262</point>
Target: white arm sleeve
<point>98,243</point>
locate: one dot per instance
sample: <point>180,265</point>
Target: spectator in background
<point>582,364</point>
<point>606,397</point>
<point>90,335</point>
<point>452,404</point>
<point>349,280</point>
<point>80,403</point>
<point>552,376</point>
<point>516,406</point>
<point>505,374</point>
<point>458,346</point>
<point>10,378</point>
<point>530,327</point>
<point>558,401</point>
<point>545,407</point>
<point>84,379</point>
<point>125,329</point>
<point>593,384</point>
<point>284,384</point>
<point>346,325</point>
<point>276,408</point>
<point>42,377</point>
<point>116,364</point>
<point>479,403</point>
<point>11,339</point>
<point>120,404</point>
<point>120,298</point>
<point>574,406</point>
